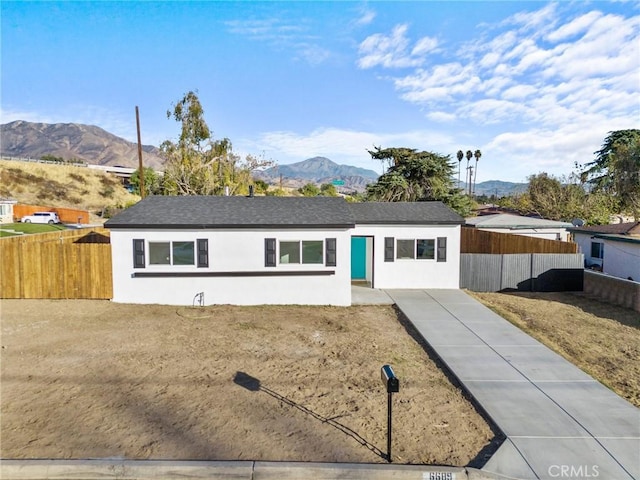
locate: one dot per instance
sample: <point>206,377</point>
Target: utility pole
<point>141,169</point>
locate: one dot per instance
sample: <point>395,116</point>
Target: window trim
<point>142,253</point>
<point>414,248</point>
<point>433,248</point>
<point>301,252</point>
<point>600,250</point>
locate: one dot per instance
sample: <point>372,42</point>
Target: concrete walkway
<point>559,422</point>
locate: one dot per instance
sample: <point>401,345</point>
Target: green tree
<point>561,199</point>
<point>261,186</point>
<point>276,192</point>
<point>199,165</point>
<point>152,184</point>
<point>328,190</point>
<point>309,190</point>
<point>416,176</point>
<point>460,156</point>
<point>616,169</point>
<point>476,154</point>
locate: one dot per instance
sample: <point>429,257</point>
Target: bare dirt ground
<point>94,379</point>
<point>601,339</point>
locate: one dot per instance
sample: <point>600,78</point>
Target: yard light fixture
<point>392,384</point>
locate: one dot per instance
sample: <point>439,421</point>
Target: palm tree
<point>476,154</point>
<point>468,176</point>
<point>460,157</point>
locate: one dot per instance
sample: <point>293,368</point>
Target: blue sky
<point>535,86</point>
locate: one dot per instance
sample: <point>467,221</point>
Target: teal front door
<point>358,258</point>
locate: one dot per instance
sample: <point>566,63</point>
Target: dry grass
<point>62,186</point>
<point>601,339</point>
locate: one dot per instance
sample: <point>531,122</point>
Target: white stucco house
<point>521,225</point>
<point>278,250</point>
<point>613,249</point>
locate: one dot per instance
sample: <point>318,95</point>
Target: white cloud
<point>282,34</point>
<point>519,92</point>
<point>574,27</point>
<point>424,45</point>
<point>442,82</point>
<point>313,54</point>
<point>441,117</point>
<point>394,50</point>
<point>539,21</point>
<point>543,88</point>
<point>267,29</point>
<point>8,116</point>
<point>519,76</point>
<point>366,16</point>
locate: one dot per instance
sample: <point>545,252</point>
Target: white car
<point>41,217</point>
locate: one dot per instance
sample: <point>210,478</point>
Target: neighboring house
<point>520,225</point>
<point>6,210</point>
<point>278,250</point>
<point>613,249</point>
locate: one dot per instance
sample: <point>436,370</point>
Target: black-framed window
<point>426,249</point>
<point>171,253</point>
<point>420,249</point>
<point>405,249</point>
<point>597,250</point>
<point>297,252</point>
<point>174,253</point>
<point>301,251</point>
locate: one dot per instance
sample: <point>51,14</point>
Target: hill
<point>73,141</point>
<point>63,186</point>
<point>319,170</point>
<point>497,187</point>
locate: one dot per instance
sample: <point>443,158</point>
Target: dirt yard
<point>94,379</point>
<point>601,339</point>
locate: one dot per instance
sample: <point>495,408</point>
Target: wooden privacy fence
<point>473,240</point>
<point>67,215</point>
<point>58,265</point>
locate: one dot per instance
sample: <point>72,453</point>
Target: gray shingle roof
<point>234,212</point>
<point>401,213</point>
<point>629,228</point>
<point>195,212</point>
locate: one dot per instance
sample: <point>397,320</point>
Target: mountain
<point>497,187</point>
<point>72,140</point>
<point>319,170</point>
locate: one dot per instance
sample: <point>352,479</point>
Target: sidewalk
<point>115,469</point>
<point>559,422</point>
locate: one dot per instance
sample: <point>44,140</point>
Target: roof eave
<point>409,222</point>
<point>164,226</point>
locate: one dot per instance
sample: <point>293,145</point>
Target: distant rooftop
<point>629,228</point>
<point>508,220</point>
